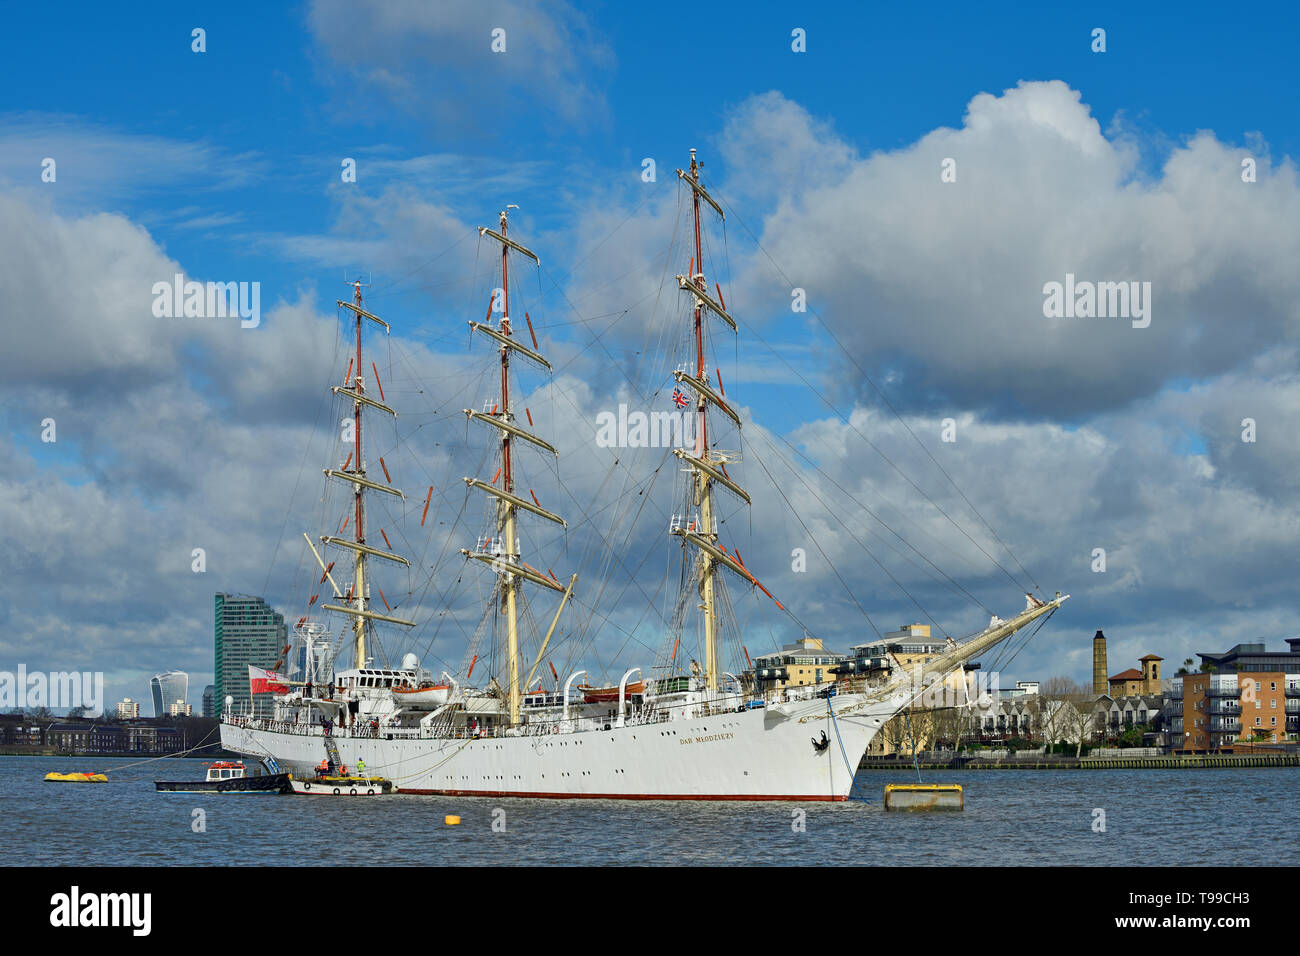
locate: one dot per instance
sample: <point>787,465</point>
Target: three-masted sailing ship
<point>689,731</point>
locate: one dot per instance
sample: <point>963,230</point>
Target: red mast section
<point>356,415</point>
<point>508,479</point>
<point>701,439</point>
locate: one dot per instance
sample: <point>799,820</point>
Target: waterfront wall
<point>1041,762</point>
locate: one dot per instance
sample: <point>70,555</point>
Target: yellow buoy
<point>451,821</point>
<point>76,778</point>
<point>924,796</point>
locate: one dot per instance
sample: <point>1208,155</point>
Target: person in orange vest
<point>322,768</point>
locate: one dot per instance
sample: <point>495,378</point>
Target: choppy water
<point>1023,817</point>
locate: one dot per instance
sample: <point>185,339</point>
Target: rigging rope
<point>890,406</point>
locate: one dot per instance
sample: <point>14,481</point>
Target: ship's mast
<point>353,471</point>
<point>505,509</point>
<point>503,555</point>
<point>703,493</point>
<point>359,597</point>
<point>708,467</point>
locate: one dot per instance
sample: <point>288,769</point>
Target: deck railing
<point>648,713</point>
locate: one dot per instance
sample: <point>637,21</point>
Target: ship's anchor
<point>821,745</point>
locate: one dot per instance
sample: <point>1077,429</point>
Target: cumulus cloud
<point>941,284</point>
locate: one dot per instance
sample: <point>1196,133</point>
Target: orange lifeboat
<point>430,695</point>
<point>609,695</point>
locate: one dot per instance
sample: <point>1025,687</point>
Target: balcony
<point>1223,705</point>
<point>1224,724</point>
<point>1224,690</point>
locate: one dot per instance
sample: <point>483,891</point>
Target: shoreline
<point>1169,762</point>
<point>143,754</point>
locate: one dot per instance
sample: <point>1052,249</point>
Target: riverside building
<point>1245,697</point>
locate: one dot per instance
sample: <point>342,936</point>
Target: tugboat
<point>334,781</point>
<point>226,776</point>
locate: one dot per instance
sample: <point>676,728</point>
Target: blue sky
<point>1119,165</point>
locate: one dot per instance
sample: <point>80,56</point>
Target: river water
<point>1013,818</point>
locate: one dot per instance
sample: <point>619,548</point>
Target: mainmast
<point>502,553</point>
<point>708,466</point>
<point>354,472</point>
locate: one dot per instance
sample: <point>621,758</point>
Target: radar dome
<point>410,662</point>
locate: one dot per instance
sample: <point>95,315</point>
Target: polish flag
<point>265,682</point>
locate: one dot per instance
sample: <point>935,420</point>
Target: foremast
<point>502,553</point>
<point>355,601</point>
<point>708,466</point>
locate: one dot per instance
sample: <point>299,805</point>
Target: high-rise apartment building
<point>246,630</point>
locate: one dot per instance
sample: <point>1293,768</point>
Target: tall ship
<point>699,722</point>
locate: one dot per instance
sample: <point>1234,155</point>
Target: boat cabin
<point>225,770</point>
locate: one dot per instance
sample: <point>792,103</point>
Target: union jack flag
<point>679,398</point>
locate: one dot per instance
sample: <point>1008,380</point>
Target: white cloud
<point>941,283</point>
<point>435,59</point>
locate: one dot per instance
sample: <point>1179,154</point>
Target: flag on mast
<point>265,682</point>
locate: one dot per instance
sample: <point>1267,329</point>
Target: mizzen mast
<point>353,472</point>
<point>502,553</point>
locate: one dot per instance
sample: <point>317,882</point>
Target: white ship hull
<point>760,754</point>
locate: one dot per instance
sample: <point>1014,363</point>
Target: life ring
<point>555,728</point>
<point>353,792</point>
<point>306,785</point>
<point>336,791</point>
<point>370,792</point>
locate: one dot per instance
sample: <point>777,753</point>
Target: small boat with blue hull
<point>229,777</point>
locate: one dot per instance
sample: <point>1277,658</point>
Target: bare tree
<point>1068,713</point>
<point>948,724</point>
<point>1053,708</point>
<point>964,716</point>
<point>919,728</point>
<point>922,729</point>
<point>894,733</point>
<point>1081,719</point>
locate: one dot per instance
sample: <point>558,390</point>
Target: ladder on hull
<point>332,753</point>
